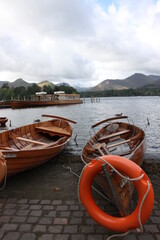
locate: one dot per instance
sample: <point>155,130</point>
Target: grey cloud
<point>78,40</point>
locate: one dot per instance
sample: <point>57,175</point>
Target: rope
<point>79,176</point>
<point>119,235</point>
<point>140,229</point>
<point>139,213</point>
<point>69,168</point>
<point>122,176</point>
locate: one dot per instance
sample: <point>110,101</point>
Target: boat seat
<point>52,130</point>
<point>113,135</point>
<point>119,143</point>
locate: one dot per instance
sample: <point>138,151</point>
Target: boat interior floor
<point>29,141</point>
<point>117,147</point>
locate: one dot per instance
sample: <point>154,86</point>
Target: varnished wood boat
<point>120,138</point>
<point>32,145</point>
<point>3,121</point>
<point>29,104</point>
<point>2,167</point>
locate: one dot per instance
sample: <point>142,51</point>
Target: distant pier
<point>28,104</point>
<point>6,104</point>
<point>42,99</point>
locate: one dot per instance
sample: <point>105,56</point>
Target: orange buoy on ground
<point>143,185</point>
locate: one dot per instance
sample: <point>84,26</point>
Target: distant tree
<point>48,89</point>
<point>125,92</point>
<point>3,93</point>
<point>5,85</point>
<point>66,89</point>
<point>20,92</point>
<point>33,89</point>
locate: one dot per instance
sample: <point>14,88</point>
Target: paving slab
<point>43,204</point>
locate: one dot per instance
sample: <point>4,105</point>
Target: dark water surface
<point>86,114</point>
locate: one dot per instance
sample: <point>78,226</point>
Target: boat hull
<point>2,167</point>
<point>28,104</point>
<point>125,134</point>
<point>32,145</point>
<point>25,160</point>
<point>123,193</point>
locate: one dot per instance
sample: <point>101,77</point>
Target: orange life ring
<point>128,168</point>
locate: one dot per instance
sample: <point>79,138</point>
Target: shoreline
<point>151,162</point>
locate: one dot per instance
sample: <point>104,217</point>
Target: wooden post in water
<point>92,99</point>
<point>98,99</point>
<point>95,99</point>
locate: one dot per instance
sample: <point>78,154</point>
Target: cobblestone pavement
<point>60,219</point>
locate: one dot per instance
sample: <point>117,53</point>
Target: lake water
<point>86,114</point>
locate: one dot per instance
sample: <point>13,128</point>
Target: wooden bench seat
<point>113,135</point>
<point>52,130</point>
<point>118,143</point>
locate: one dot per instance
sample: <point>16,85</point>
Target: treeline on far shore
<point>21,93</point>
<point>123,93</point>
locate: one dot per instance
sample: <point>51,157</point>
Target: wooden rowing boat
<point>3,121</point>
<point>2,167</point>
<point>121,138</point>
<point>32,145</point>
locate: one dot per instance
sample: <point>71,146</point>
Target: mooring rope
<point>140,229</point>
<point>79,176</point>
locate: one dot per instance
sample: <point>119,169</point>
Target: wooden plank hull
<point>2,167</point>
<point>134,138</point>
<point>25,160</point>
<point>5,104</point>
<point>27,147</point>
<point>27,104</point>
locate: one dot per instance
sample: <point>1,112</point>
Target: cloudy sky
<point>82,42</point>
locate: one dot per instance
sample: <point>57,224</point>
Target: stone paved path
<point>24,219</point>
<point>55,216</point>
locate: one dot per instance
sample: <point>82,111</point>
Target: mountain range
<point>137,80</point>
<point>21,83</point>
